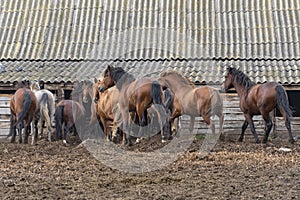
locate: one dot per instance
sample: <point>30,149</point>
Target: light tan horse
<point>203,101</point>
<point>45,108</point>
<point>106,108</point>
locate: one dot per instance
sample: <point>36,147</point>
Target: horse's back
<point>71,106</point>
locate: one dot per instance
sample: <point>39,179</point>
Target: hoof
<point>240,140</point>
<point>292,141</point>
<point>264,141</point>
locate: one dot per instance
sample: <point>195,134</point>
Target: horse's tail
<point>27,101</point>
<point>45,109</point>
<point>156,93</point>
<point>168,98</point>
<point>216,103</point>
<point>283,102</point>
<point>59,120</point>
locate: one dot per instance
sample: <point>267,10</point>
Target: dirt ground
<point>232,170</point>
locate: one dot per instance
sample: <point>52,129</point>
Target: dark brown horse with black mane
<point>258,100</point>
<point>68,113</point>
<point>22,106</point>
<point>135,95</point>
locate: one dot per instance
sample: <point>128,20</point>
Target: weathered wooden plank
<point>4,111</point>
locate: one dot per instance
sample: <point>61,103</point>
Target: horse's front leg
<point>126,119</point>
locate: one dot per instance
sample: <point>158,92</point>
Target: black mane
<point>119,75</point>
<point>242,79</point>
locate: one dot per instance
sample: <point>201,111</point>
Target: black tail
<point>58,121</point>
<point>168,98</point>
<point>156,93</point>
<point>26,107</point>
<point>283,102</point>
<point>44,99</point>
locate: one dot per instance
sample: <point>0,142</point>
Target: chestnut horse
<point>203,101</point>
<point>135,95</point>
<point>22,106</point>
<point>258,100</point>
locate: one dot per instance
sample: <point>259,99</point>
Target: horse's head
<point>35,85</point>
<point>228,82</point>
<point>96,91</point>
<point>23,84</point>
<point>87,91</point>
<point>107,81</point>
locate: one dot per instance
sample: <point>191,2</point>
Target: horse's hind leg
<point>34,133</point>
<point>26,133</point>
<point>13,136</point>
<point>288,126</point>
<point>244,127</point>
<point>221,122</point>
<point>12,129</point>
<point>210,123</point>
<point>268,127</point>
<point>20,127</point>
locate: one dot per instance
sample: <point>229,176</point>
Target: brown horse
<point>204,101</point>
<point>67,113</point>
<point>22,106</point>
<point>135,95</point>
<point>258,100</point>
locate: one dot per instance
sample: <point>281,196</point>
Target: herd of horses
<point>120,103</point>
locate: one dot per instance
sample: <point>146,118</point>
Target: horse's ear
<point>229,69</point>
<point>95,80</point>
<point>107,71</point>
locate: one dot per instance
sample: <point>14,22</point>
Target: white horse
<point>45,109</point>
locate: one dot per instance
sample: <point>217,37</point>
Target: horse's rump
<point>216,102</point>
<point>23,108</point>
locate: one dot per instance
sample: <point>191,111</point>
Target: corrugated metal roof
<point>209,72</point>
<point>57,40</point>
<point>149,29</point>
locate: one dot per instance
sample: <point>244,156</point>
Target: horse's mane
<point>185,79</point>
<point>119,75</point>
<point>77,90</point>
<point>23,84</point>
<point>241,78</point>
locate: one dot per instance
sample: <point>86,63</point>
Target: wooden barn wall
<point>4,114</point>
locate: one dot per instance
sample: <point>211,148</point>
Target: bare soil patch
<point>232,170</point>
